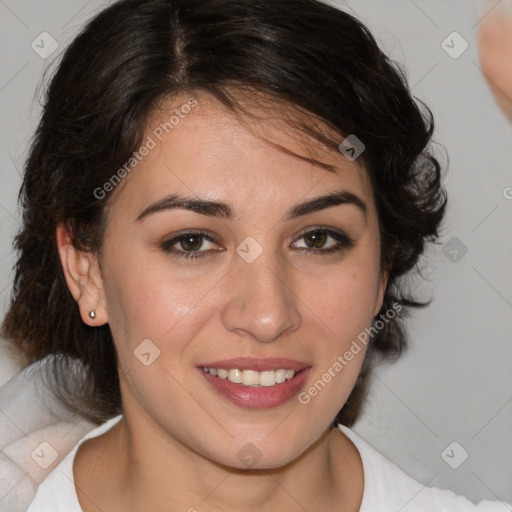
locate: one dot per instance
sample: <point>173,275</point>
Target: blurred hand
<point>495,48</point>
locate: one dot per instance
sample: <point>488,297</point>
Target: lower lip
<point>257,398</point>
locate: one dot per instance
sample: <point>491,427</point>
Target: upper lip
<point>258,364</point>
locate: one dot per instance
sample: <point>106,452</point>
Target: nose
<point>260,300</point>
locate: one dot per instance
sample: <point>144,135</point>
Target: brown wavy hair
<point>318,60</point>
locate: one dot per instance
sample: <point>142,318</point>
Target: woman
<point>219,205</point>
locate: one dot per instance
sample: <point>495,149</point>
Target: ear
<point>83,277</point>
<point>383,282</point>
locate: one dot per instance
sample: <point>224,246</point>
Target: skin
<point>495,49</point>
<point>176,447</point>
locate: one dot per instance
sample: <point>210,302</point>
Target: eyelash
<point>344,242</point>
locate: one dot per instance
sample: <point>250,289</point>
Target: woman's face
<point>218,247</point>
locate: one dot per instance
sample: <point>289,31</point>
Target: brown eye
<point>323,241</point>
<point>191,242</point>
<point>190,245</point>
<point>315,239</point>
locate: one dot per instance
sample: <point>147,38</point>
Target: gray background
<point>455,382</point>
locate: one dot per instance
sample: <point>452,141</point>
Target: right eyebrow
<point>202,206</point>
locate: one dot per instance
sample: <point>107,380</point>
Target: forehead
<point>197,146</point>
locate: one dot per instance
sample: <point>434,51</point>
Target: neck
<point>149,470</point>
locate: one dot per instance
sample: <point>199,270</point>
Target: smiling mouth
<point>256,383</point>
<point>253,378</point>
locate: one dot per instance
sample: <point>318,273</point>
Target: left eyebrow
<point>223,210</point>
<point>326,201</point>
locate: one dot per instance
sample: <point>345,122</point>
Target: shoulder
<point>387,488</point>
<point>57,493</point>
<point>36,431</point>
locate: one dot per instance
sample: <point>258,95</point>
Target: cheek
<point>162,315</point>
<point>346,298</point>
<point>148,298</point>
<point>343,308</point>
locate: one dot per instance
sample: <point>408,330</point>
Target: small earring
<point>92,314</point>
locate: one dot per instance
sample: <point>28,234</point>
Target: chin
<point>262,453</point>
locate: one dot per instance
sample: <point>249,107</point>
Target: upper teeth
<point>252,377</point>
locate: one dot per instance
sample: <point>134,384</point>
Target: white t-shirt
<point>386,487</point>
